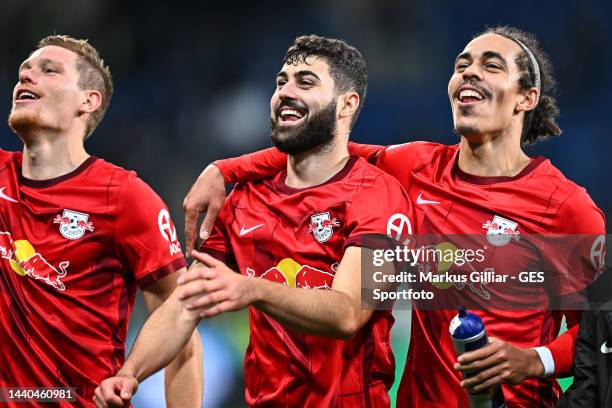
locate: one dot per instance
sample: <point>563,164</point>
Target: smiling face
<point>484,90</point>
<point>303,106</point>
<point>47,95</point>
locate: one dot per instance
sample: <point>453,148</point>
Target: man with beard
<point>501,97</point>
<point>296,239</point>
<point>73,247</point>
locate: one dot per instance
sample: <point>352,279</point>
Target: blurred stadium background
<point>193,81</point>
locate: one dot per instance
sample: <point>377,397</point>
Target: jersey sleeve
<point>379,216</point>
<point>368,152</point>
<point>145,236</point>
<point>252,166</point>
<point>268,162</point>
<point>400,160</point>
<point>218,245</point>
<point>576,252</point>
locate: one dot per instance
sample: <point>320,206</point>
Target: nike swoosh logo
<point>5,197</point>
<point>604,349</point>
<point>244,231</point>
<point>422,201</point>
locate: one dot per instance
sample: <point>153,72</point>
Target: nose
<point>472,72</point>
<point>287,91</point>
<point>26,76</point>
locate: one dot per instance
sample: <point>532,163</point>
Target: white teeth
<point>27,95</point>
<point>466,93</point>
<point>287,112</point>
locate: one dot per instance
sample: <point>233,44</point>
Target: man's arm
<point>183,377</point>
<point>208,192</point>
<point>333,313</point>
<point>585,388</point>
<point>168,329</point>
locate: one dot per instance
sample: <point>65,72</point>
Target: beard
<point>22,121</point>
<point>467,131</point>
<point>317,130</point>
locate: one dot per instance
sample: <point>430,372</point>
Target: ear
<point>348,103</point>
<point>527,101</point>
<point>91,102</point>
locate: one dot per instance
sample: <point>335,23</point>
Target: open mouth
<point>469,96</point>
<point>290,115</point>
<point>25,95</point>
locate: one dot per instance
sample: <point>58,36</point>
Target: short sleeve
<point>252,166</point>
<point>575,250</point>
<point>146,237</point>
<point>379,216</point>
<point>218,245</point>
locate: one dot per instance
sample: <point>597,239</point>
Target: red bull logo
<point>25,261</point>
<point>442,265</point>
<point>291,273</point>
<point>37,267</point>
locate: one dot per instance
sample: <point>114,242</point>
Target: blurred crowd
<point>193,81</point>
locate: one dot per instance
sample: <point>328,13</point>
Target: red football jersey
<point>539,200</point>
<point>73,250</point>
<point>297,237</point>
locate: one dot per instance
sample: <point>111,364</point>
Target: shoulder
<point>371,179</point>
<point>8,157</point>
<point>413,155</point>
<point>577,213</point>
<point>419,150</point>
<point>124,186</point>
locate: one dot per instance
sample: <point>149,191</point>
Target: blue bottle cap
<point>471,325</point>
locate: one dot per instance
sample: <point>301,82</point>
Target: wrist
<point>537,364</point>
<point>257,288</point>
<point>217,169</point>
<point>128,370</point>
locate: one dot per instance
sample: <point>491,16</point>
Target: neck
<point>492,156</point>
<point>46,156</point>
<point>317,165</point>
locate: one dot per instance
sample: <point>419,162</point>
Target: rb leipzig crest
<point>73,224</point>
<point>500,231</point>
<point>322,226</point>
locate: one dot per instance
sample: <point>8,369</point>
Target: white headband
<point>534,63</point>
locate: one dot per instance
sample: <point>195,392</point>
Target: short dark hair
<point>540,122</point>
<point>346,64</point>
<point>93,72</point>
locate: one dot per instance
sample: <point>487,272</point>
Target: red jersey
<point>72,251</point>
<point>297,237</point>
<point>539,200</point>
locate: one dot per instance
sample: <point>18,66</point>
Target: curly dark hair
<point>346,64</point>
<point>540,123</point>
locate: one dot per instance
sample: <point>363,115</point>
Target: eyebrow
<point>485,55</point>
<point>301,73</point>
<point>44,62</point>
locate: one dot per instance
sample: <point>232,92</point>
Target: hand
<point>497,363</point>
<point>217,288</point>
<point>206,195</point>
<point>115,392</point>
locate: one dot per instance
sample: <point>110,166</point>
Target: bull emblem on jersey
<point>322,226</point>
<point>25,261</point>
<point>500,231</point>
<point>73,224</point>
